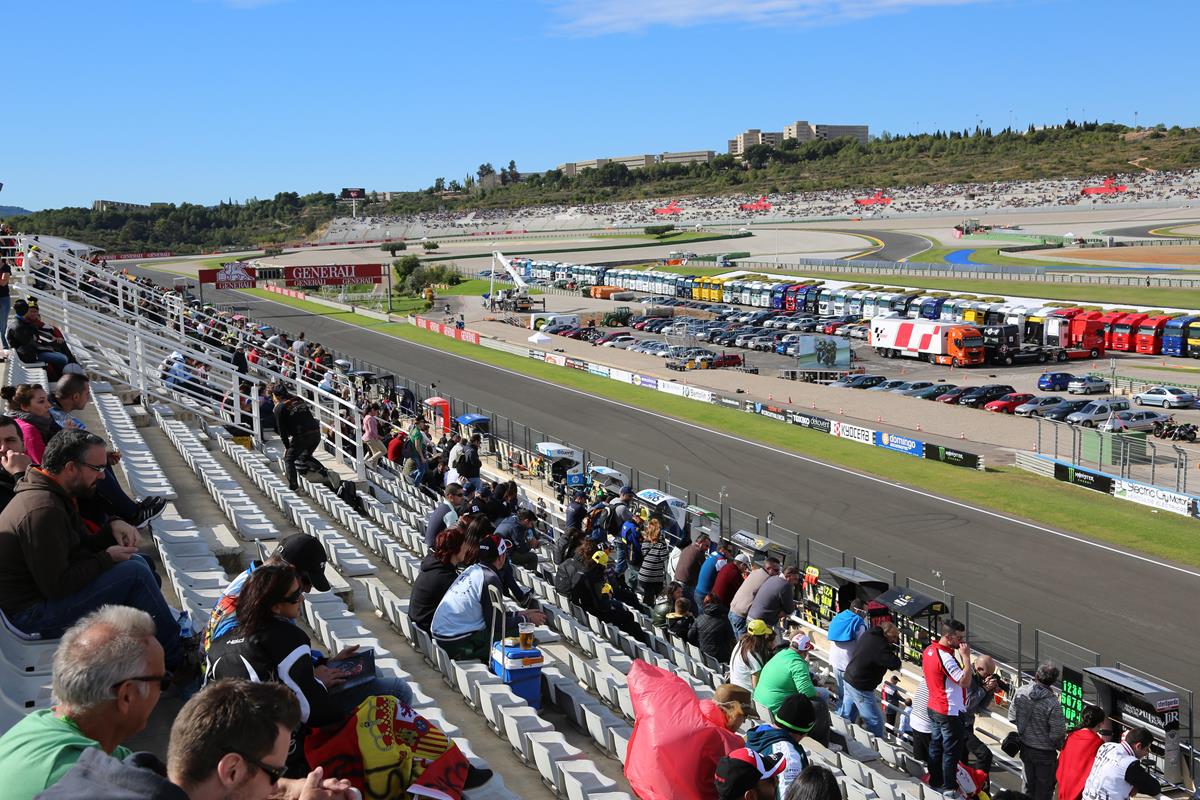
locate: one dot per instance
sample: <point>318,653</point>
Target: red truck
<point>1109,319</point>
<point>1150,335</point>
<point>1124,332</point>
<point>1076,333</point>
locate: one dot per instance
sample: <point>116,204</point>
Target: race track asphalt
<point>896,245</point>
<point>1137,611</point>
<point>1144,231</point>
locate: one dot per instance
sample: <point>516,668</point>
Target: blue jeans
<point>350,699</point>
<point>129,583</point>
<point>739,625</point>
<point>867,705</point>
<point>944,745</point>
<point>53,358</point>
<point>5,305</point>
<point>475,483</point>
<point>839,675</point>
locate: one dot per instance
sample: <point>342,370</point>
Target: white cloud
<point>599,17</point>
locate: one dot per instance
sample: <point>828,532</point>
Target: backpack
<point>349,495</point>
<point>568,576</point>
<point>600,521</point>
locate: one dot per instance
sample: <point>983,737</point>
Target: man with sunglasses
<point>52,572</point>
<point>108,675</point>
<point>455,499</point>
<point>231,740</point>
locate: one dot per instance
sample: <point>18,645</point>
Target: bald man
<point>984,685</point>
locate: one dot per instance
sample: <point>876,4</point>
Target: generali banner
<point>234,275</point>
<point>333,274</point>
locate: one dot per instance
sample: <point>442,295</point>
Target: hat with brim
<point>742,770</point>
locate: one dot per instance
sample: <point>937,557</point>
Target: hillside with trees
<point>1067,151</point>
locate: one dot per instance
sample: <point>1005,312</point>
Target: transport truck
<point>929,340</point>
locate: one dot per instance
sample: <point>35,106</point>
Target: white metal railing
<point>137,328</point>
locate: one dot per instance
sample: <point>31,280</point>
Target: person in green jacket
<point>108,674</point>
<point>786,674</point>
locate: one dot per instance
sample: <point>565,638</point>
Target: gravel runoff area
<point>1181,255</point>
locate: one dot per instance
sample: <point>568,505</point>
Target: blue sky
<point>203,100</point>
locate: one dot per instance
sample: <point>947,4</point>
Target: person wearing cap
<point>306,556</point>
<point>875,654</point>
<point>591,595</point>
<point>794,721</point>
<point>747,775</point>
<point>576,510</point>
<point>461,624</point>
<point>627,549</point>
<point>750,653</point>
<point>622,504</point>
<point>786,674</point>
<point>743,598</point>
<point>730,578</point>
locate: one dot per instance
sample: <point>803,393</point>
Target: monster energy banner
<point>948,455</point>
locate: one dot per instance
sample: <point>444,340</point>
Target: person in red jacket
<point>1079,751</point>
<point>730,578</point>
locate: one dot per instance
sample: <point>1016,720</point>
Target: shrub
<point>658,230</point>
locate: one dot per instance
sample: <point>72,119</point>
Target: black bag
<point>567,577</point>
<point>349,495</point>
<point>1011,744</point>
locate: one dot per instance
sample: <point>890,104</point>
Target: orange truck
<point>926,339</point>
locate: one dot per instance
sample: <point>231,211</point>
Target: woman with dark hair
<point>452,549</point>
<point>714,633</point>
<point>814,783</point>
<point>655,553</point>
<point>30,407</point>
<point>666,603</point>
<point>266,644</point>
<point>1079,752</point>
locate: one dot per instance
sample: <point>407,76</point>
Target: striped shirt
<point>654,562</point>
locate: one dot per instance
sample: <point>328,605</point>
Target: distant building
<point>687,157</point>
<point>806,132</point>
<point>635,162</point>
<point>743,141</point>
<point>116,205</point>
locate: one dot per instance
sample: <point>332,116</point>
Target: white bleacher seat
<point>581,780</point>
<point>519,722</point>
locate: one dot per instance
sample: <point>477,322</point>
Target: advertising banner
<point>599,369</point>
<point>1153,496</point>
<point>128,256</point>
<point>901,444</point>
<point>536,355</point>
<point>703,395</point>
<point>853,432</point>
<point>774,412</point>
<point>647,381</point>
<point>577,363</point>
<point>555,358</point>
<point>948,455</point>
<point>621,375</point>
<point>732,402</point>
<point>819,424</point>
<point>234,275</point>
<point>333,274</point>
<point>668,387</point>
<point>1084,478</point>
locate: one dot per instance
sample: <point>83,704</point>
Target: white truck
<point>929,340</point>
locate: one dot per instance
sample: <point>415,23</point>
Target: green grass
<point>1175,232</point>
<point>1007,490</point>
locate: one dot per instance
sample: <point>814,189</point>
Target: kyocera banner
<point>333,274</point>
<point>853,432</point>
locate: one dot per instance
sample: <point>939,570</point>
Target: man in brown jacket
<point>687,569</point>
<point>52,572</point>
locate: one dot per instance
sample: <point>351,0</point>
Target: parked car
<point>1008,403</point>
<point>856,331</point>
<point>1060,412</point>
<point>621,342</point>
<point>932,392</point>
<point>1036,405</point>
<point>911,386</point>
<point>1054,381</point>
<point>1098,411</point>
<point>802,324</point>
<point>980,396</point>
<point>1131,420</point>
<point>887,386</point>
<point>830,328</point>
<point>858,381</point>
<point>1088,384</point>
<point>952,396</point>
<point>1166,397</point>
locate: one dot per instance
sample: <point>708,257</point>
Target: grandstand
<point>124,331</point>
<point>1145,190</point>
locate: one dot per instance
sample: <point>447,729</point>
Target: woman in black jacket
<point>451,550</point>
